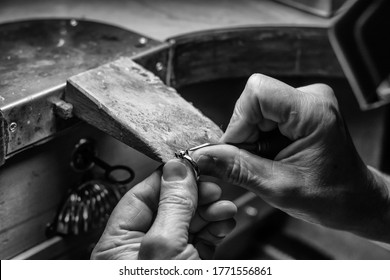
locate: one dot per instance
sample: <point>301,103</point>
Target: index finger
<point>267,103</point>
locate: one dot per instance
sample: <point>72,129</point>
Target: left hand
<point>155,219</point>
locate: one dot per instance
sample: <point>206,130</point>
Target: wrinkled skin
<point>157,218</point>
<point>319,177</point>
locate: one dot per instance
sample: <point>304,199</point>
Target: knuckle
<point>326,91</point>
<point>255,79</point>
<point>323,106</point>
<point>326,98</point>
<point>238,172</point>
<point>237,112</point>
<point>330,114</point>
<point>178,201</point>
<point>254,83</point>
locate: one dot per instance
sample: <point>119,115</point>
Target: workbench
<point>34,180</point>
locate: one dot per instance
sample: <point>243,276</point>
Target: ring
<point>185,155</point>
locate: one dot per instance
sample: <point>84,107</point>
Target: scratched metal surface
<point>40,54</point>
<point>36,59</point>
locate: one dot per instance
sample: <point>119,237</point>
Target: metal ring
<point>194,165</point>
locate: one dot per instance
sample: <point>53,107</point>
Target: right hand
<point>319,177</point>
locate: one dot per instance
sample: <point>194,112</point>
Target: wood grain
<point>133,105</point>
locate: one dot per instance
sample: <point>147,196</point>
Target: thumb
<point>168,236</point>
<point>239,167</point>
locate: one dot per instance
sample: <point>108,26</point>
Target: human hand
<point>319,177</point>
<point>155,219</point>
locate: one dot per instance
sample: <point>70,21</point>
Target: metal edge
<point>308,9</point>
<point>348,71</point>
<point>199,36</point>
<point>58,92</point>
<point>3,138</point>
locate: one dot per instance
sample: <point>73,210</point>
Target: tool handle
<point>269,146</point>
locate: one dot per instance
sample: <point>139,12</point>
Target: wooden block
<point>133,105</point>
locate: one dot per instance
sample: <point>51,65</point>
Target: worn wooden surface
<point>133,105</point>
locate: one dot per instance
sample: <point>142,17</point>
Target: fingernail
<point>174,171</point>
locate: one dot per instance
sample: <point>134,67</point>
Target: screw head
<point>12,127</point>
<point>142,42</point>
<point>159,66</point>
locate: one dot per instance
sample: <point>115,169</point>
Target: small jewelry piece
<point>184,154</point>
<point>254,148</point>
